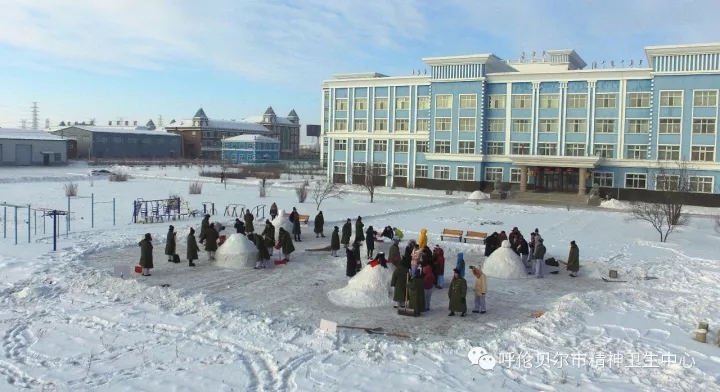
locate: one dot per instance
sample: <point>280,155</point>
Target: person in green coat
<point>269,234</point>
<point>399,282</point>
<point>203,227</point>
<point>335,242</point>
<point>295,220</point>
<point>359,230</point>
<point>146,254</point>
<point>263,250</point>
<point>170,244</point>
<point>286,244</point>
<point>211,238</point>
<point>192,247</point>
<point>249,219</point>
<point>573,262</point>
<point>346,233</point>
<point>394,253</point>
<point>319,223</point>
<point>416,293</point>
<point>456,293</point>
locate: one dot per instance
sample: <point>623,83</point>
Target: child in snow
<point>460,266</point>
<point>439,256</point>
<point>351,267</point>
<point>146,254</point>
<point>192,247</point>
<point>211,238</point>
<point>380,258</point>
<point>429,278</point>
<point>524,250</point>
<point>273,211</point>
<point>415,259</point>
<point>170,244</point>
<point>480,290</point>
<point>285,243</point>
<point>335,242</point>
<point>263,253</point>
<point>539,257</point>
<point>398,233</point>
<point>457,292</point>
<point>239,226</point>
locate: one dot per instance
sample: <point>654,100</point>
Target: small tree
<point>370,179</point>
<point>327,190</point>
<point>195,188</point>
<point>302,192</point>
<point>672,186</point>
<point>71,189</point>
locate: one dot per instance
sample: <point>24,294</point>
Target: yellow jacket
<point>423,239</point>
<point>481,285</point>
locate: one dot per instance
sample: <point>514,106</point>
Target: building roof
<point>261,120</point>
<point>292,113</point>
<point>27,134</point>
<point>200,114</point>
<point>119,130</point>
<point>150,123</point>
<point>224,124</point>
<point>251,138</point>
<point>269,111</point>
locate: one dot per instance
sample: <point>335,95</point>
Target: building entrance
<point>557,179</point>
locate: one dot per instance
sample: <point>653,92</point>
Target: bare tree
<point>302,192</point>
<point>371,178</point>
<point>672,187</point>
<point>327,190</point>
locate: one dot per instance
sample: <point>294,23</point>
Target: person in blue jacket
<point>460,264</point>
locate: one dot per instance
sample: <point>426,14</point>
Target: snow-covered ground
<point>67,324</point>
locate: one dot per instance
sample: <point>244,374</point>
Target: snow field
<point>368,288</point>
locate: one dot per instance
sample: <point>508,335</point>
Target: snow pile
<point>281,221</point>
<point>614,204</point>
<point>369,288</point>
<point>478,195</point>
<point>119,169</point>
<point>504,263</point>
<point>237,252</point>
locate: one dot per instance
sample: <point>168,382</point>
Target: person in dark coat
<point>346,233</point>
<point>335,242</point>
<point>249,219</point>
<point>573,262</point>
<point>263,253</point>
<point>491,244</point>
<point>524,251</point>
<point>146,254</point>
<point>239,226</point>
<point>192,247</point>
<point>203,227</point>
<point>388,232</point>
<point>399,282</point>
<point>394,253</point>
<point>457,292</point>
<point>351,267</point>
<point>273,211</point>
<point>370,241</point>
<point>319,223</point>
<point>286,244</point>
<point>416,292</point>
<point>269,235</point>
<point>380,258</point>
<point>439,257</point>
<point>359,230</point>
<point>170,244</point>
<point>211,238</point>
<point>295,219</point>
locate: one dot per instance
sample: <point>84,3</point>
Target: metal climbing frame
<point>232,210</point>
<point>153,211</point>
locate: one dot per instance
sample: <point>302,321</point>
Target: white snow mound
<point>614,204</point>
<point>504,263</point>
<point>237,252</point>
<point>368,289</point>
<point>478,195</point>
<point>281,221</point>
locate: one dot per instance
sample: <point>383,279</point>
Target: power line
<point>160,121</point>
<point>35,117</point>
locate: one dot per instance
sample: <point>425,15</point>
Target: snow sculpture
<point>281,221</point>
<point>237,252</point>
<point>369,288</point>
<point>504,263</point>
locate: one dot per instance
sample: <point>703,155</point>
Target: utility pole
<point>23,124</point>
<point>35,117</point>
<point>160,122</point>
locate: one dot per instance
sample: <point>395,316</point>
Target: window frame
<point>495,171</point>
<point>606,99</point>
<point>597,147</point>
<point>424,143</point>
<point>552,99</point>
<point>668,101</point>
<point>669,123</point>
<point>360,120</point>
<point>344,102</point>
<point>573,125</point>
<point>443,144</point>
<point>466,177</point>
<point>640,177</point>
<point>497,98</point>
<point>547,145</point>
<point>464,148</point>
<point>362,142</point>
<point>630,152</point>
<point>492,125</point>
<point>601,181</point>
<point>525,122</point>
<point>472,99</point>
<point>577,148</point>
<point>444,96</point>
<point>671,149</point>
<point>702,123</point>
<point>383,144</point>
<point>424,121</point>
<point>405,100</point>
<point>377,121</point>
<point>693,189</point>
<point>471,129</point>
<point>517,98</point>
<point>525,146</point>
<point>340,144</point>
<point>423,102</point>
<point>702,150</point>
<point>363,100</point>
<point>398,168</point>
<point>548,125</point>
<point>398,125</point>
<point>378,100</point>
<point>640,98</point>
<point>441,169</point>
<point>401,146</point>
<point>574,98</point>
<point>443,120</point>
<point>340,121</point>
<point>603,124</point>
<point>494,147</point>
<point>633,124</point>
<point>419,169</point>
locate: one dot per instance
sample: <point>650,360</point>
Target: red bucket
<point>138,269</point>
<point>280,262</point>
<point>374,263</point>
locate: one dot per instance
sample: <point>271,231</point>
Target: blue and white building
<point>548,123</point>
<point>251,149</point>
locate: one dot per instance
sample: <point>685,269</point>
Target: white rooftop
<point>251,138</point>
<point>260,119</point>
<point>125,130</point>
<point>223,124</point>
<point>27,134</point>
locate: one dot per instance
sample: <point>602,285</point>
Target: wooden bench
<point>475,235</point>
<point>303,218</point>
<point>451,233</point>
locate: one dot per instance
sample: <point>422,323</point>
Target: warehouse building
<point>19,147</point>
<point>117,142</point>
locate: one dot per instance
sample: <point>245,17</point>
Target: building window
<point>442,147</point>
<point>606,101</point>
<point>638,126</point>
<point>523,101</point>
<point>465,173</point>
<point>421,171</point>
<point>467,124</point>
<point>421,146</point>
<point>443,101</point>
<point>401,145</point>
<point>496,125</point>
<point>701,184</point>
<point>703,125</point>
<point>380,146</point>
<point>667,182</point>
<point>341,125</point>
<point>705,98</point>
<point>575,149</point>
<point>341,104</point>
<point>671,99</point>
<point>359,168</point>
<point>603,179</point>
<point>468,101</point>
<point>423,103</point>
<point>521,125</point>
<point>360,125</point>
<point>549,101</point>
<point>639,100</point>
<point>441,172</point>
<point>636,181</point>
<point>604,150</point>
<point>515,174</point>
<point>402,103</point>
<point>422,125</point>
<point>493,174</point>
<point>339,167</point>
<point>496,148</point>
<point>496,102</point>
<point>548,125</point>
<point>400,170</point>
<point>668,152</point>
<point>57,157</point>
<point>359,145</point>
<point>605,126</point>
<point>576,125</point>
<point>379,169</point>
<point>361,103</point>
<point>520,148</point>
<point>547,149</point>
<point>669,125</point>
<point>637,151</point>
<point>117,140</point>
<point>381,103</point>
<point>402,125</point>
<point>466,147</point>
<point>577,101</point>
<point>443,124</point>
<point>340,145</point>
<point>381,124</point>
<point>702,153</point>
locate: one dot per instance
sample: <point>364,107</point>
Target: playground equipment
<point>92,209</point>
<point>257,211</point>
<point>153,211</point>
<point>31,217</point>
<point>55,214</point>
<point>232,210</point>
<point>209,208</point>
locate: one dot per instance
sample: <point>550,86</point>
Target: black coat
<point>523,248</point>
<point>370,238</point>
<point>491,244</point>
<point>351,267</point>
<point>240,227</point>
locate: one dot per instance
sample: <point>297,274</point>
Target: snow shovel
<point>406,311</point>
<point>377,329</point>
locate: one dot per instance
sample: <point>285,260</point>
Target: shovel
<point>377,329</point>
<point>406,311</point>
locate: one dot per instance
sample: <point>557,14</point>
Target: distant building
<point>19,147</point>
<point>251,149</point>
<point>286,129</point>
<point>202,137</point>
<point>119,142</point>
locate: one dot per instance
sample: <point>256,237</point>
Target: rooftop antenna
<point>35,117</point>
<point>160,121</point>
<point>413,72</point>
<point>47,123</point>
<point>603,63</point>
<point>594,64</point>
<point>92,121</point>
<point>631,62</point>
<point>23,124</point>
<point>612,64</point>
<point>533,55</point>
<point>425,71</point>
<point>622,63</point>
<point>522,57</point>
<point>640,63</point>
